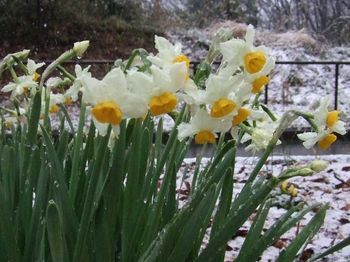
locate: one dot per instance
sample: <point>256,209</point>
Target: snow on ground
<point>331,186</point>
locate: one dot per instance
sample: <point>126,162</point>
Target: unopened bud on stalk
<point>318,165</point>
<point>79,48</point>
<point>304,172</point>
<point>8,60</point>
<point>299,171</point>
<point>221,36</point>
<point>22,54</point>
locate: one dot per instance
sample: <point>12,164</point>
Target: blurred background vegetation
<point>115,27</point>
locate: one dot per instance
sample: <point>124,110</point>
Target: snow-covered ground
<point>330,186</point>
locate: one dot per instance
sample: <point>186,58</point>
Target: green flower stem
<point>65,72</point>
<point>12,112</point>
<point>14,75</point>
<point>47,109</point>
<point>268,112</point>
<point>221,36</point>
<point>203,71</point>
<point>131,59</point>
<point>20,64</point>
<point>198,162</point>
<point>286,120</point>
<point>246,129</point>
<point>256,102</point>
<point>75,174</point>
<point>137,52</point>
<point>62,58</point>
<point>8,60</point>
<point>220,141</point>
<point>309,118</point>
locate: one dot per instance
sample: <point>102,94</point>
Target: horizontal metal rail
<point>194,65</point>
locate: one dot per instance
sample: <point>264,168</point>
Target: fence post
<point>266,94</point>
<point>336,86</point>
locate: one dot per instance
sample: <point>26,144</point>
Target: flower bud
<point>298,171</point>
<point>80,47</point>
<point>304,172</point>
<point>221,36</point>
<point>318,165</point>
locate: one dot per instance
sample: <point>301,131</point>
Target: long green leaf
<point>223,207</point>
<point>89,210</point>
<point>74,177</point>
<point>34,120</point>
<point>236,219</point>
<point>191,230</point>
<point>254,233</point>
<point>55,233</point>
<point>344,243</point>
<point>308,232</point>
<point>282,225</point>
<point>132,193</point>
<point>8,230</point>
<point>35,225</point>
<point>60,191</point>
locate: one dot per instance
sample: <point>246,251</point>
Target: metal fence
<point>194,65</point>
<point>336,65</point>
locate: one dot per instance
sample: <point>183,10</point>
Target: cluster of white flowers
<point>226,101</point>
<point>327,123</point>
<point>24,83</point>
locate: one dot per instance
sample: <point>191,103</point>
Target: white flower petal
<point>186,130</point>
<point>32,66</point>
<point>9,87</point>
<point>339,127</point>
<point>115,79</point>
<point>178,74</point>
<point>102,128</point>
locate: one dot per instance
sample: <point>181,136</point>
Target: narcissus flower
<point>329,119</point>
<point>158,90</point>
<point>111,101</point>
<point>168,54</point>
<point>247,113</point>
<point>327,124</point>
<point>224,94</point>
<point>260,135</point>
<point>242,115</point>
<point>260,79</point>
<point>324,139</point>
<point>32,67</point>
<point>54,101</point>
<point>23,83</point>
<point>73,91</point>
<point>203,127</point>
<point>238,52</point>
